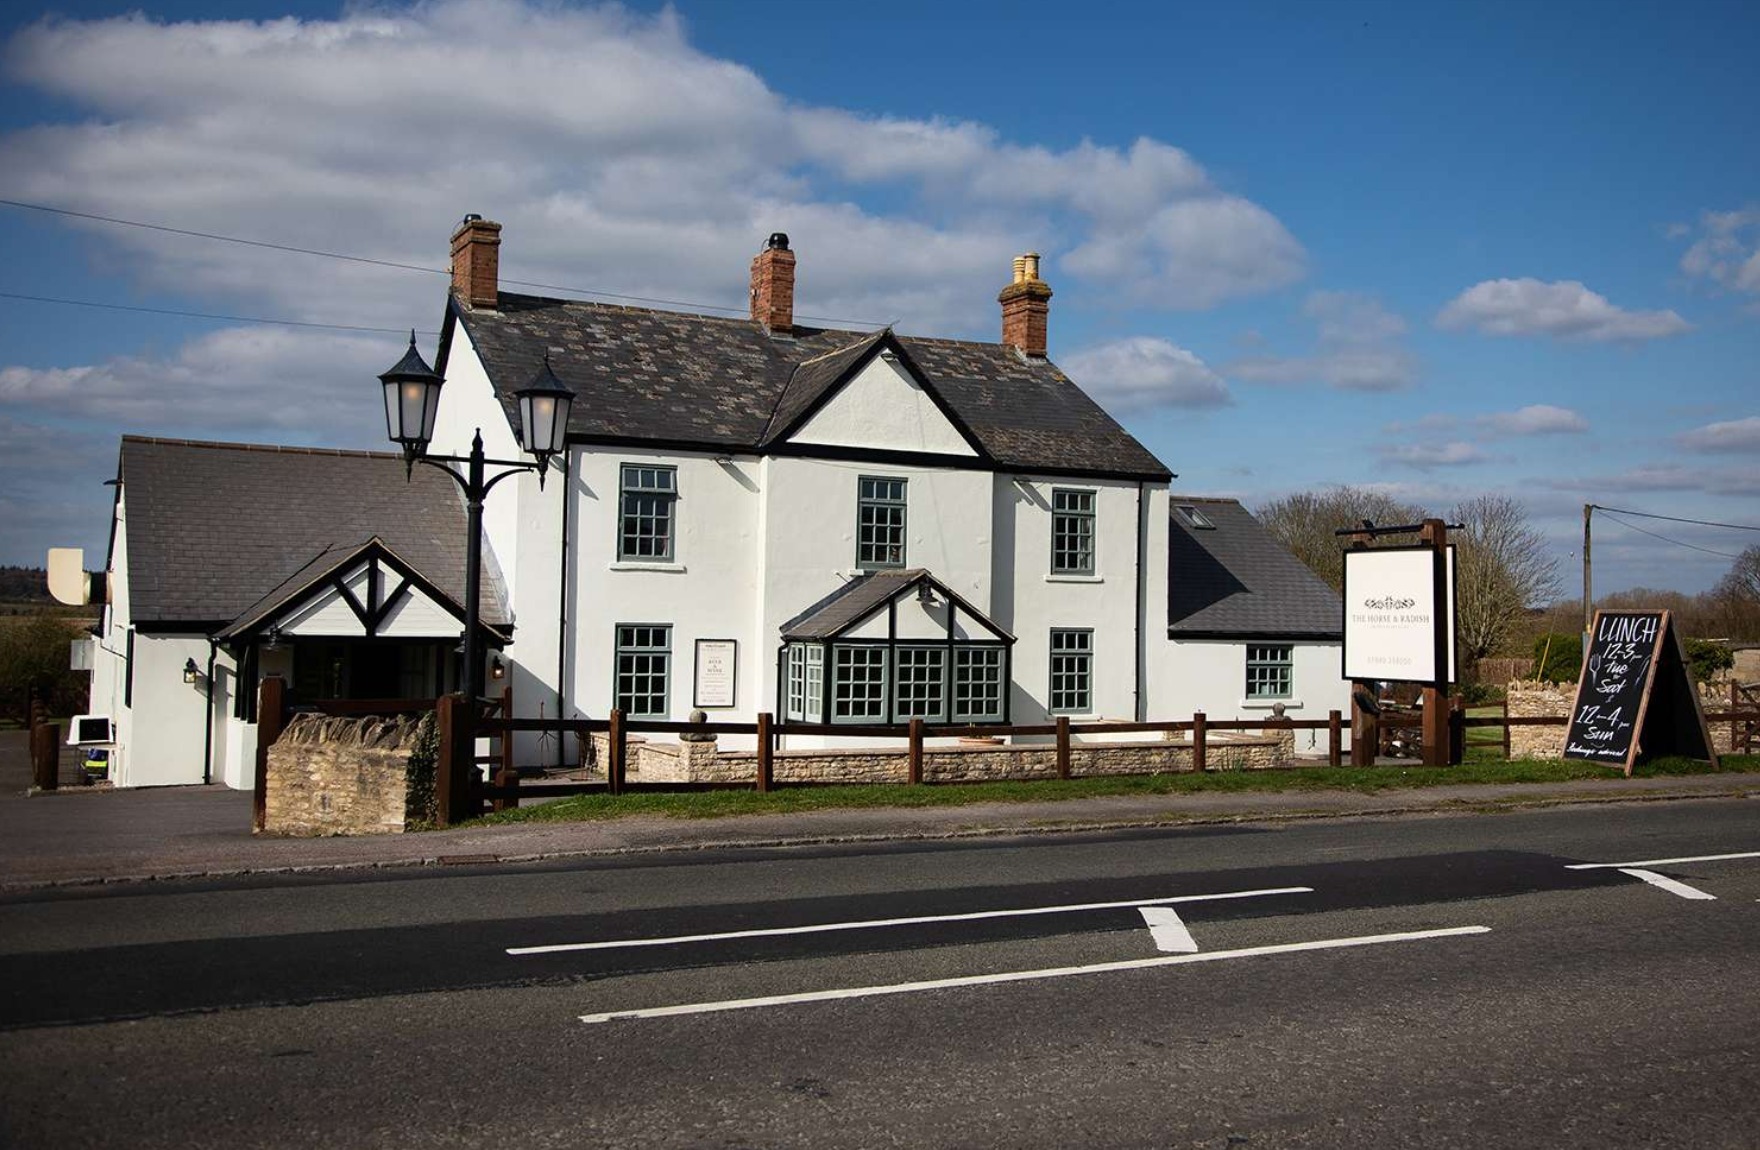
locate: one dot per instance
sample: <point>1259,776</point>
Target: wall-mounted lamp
<point>497,669</point>
<point>191,672</point>
<point>274,643</point>
<point>925,595</point>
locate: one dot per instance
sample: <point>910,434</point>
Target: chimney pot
<point>476,262</point>
<point>1026,308</point>
<point>773,286</point>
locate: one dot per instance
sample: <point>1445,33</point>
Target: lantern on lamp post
<point>412,406</point>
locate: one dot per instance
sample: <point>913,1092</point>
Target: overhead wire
<point>1677,519</point>
<point>205,314</point>
<point>393,264</point>
<point>1664,538</point>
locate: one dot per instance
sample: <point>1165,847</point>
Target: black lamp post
<point>412,400</point>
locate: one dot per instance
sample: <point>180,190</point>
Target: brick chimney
<point>476,262</point>
<point>1026,306</point>
<point>773,286</point>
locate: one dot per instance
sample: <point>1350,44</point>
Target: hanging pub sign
<point>1635,697</point>
<point>1399,619</point>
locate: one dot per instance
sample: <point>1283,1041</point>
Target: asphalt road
<point>1416,982</point>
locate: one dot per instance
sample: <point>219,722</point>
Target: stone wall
<point>964,762</point>
<point>1553,700</point>
<point>332,776</point>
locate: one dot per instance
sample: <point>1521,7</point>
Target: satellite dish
<point>67,576</point>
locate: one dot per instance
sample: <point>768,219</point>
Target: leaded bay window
<point>647,524</point>
<point>1269,670</point>
<point>890,647</point>
<point>1072,532</point>
<point>979,680</point>
<point>858,684</point>
<point>644,669</point>
<point>920,684</point>
<point>880,522</point>
<point>1072,671</point>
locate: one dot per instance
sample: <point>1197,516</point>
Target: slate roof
<point>214,528</point>
<point>865,594</point>
<point>1238,580</point>
<point>673,378</point>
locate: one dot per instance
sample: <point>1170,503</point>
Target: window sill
<point>1290,704</point>
<point>666,568</point>
<point>1075,578</point>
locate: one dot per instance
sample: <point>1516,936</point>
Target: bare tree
<point>1501,569</point>
<point>1307,523</point>
<point>1737,597</point>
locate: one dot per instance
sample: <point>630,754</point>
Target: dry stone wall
<point>1533,699</point>
<point>330,776</point>
<point>700,762</point>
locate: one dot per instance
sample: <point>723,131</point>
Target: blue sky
<point>1442,250</point>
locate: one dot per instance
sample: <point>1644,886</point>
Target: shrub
<point>1706,658</point>
<point>1558,657</point>
<point>34,660</point>
<point>421,807</point>
<point>1480,694</point>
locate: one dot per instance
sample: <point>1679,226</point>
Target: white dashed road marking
<point>1170,934</point>
<point>1672,886</point>
<point>1662,862</point>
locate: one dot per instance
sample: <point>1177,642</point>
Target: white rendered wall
<point>883,407</point>
<point>1107,602</point>
<point>706,592</point>
<point>1210,675</point>
<point>165,746</point>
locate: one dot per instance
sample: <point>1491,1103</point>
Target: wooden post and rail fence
<point>461,792</point>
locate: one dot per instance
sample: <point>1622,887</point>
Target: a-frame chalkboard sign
<point>1635,697</point>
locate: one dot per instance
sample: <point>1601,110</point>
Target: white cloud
<point>1564,309</point>
<point>1727,250</point>
<point>1356,350</point>
<point>1535,419</point>
<point>1142,372</point>
<point>253,380</point>
<point>1424,456</point>
<point>1733,435</point>
<point>618,156</point>
<point>1732,481</point>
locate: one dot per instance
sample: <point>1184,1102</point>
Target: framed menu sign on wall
<point>717,672</point>
<point>1635,697</point>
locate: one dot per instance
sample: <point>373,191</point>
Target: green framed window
<point>880,522</point>
<point>1072,671</point>
<point>644,669</point>
<point>647,526</point>
<point>1270,670</point>
<point>1072,532</point>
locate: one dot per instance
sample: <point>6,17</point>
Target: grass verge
<point>720,804</point>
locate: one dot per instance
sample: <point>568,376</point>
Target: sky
<point>1437,250</point>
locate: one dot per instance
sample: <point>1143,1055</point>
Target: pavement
<point>94,834</point>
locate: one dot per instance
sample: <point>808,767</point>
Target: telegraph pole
<point>1588,593</point>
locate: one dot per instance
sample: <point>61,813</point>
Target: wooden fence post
<point>1735,724</point>
<point>45,739</point>
<point>617,746</point>
<point>509,778</point>
<point>507,736</point>
<point>766,745</point>
<point>1457,731</point>
<point>1063,746</point>
<point>1334,739</point>
<point>1506,730</point>
<point>1365,728</point>
<point>271,718</point>
<point>1200,754</point>
<point>914,772</point>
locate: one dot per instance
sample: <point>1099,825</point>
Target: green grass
<point>720,804</point>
